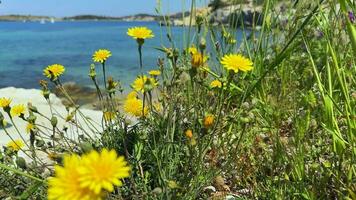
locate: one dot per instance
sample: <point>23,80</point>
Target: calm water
<point>26,48</point>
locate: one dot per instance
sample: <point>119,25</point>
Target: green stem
<point>104,73</point>
<point>140,55</point>
<point>21,173</point>
<point>143,80</point>
<point>18,132</point>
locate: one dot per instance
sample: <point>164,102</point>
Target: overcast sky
<point>60,8</point>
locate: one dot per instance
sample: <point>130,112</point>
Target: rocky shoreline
<point>84,96</point>
<point>247,14</point>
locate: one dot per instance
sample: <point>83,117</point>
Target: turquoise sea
<point>26,48</point>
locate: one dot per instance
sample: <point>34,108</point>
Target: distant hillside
<point>137,17</point>
<point>25,18</point>
<point>90,17</point>
<point>218,12</point>
<point>140,17</point>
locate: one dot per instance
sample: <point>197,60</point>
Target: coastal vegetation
<point>271,116</point>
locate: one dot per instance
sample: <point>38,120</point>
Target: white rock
<point>34,96</point>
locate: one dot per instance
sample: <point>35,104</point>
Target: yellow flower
<point>198,60</point>
<point>17,110</point>
<point>5,102</point>
<point>70,116</point>
<point>142,81</point>
<point>54,71</point>
<point>103,170</point>
<point>157,106</point>
<point>215,84</point>
<point>229,38</point>
<point>189,133</point>
<point>30,127</point>
<point>140,33</point>
<point>232,41</point>
<point>134,107</point>
<point>53,156</point>
<point>132,95</point>
<point>193,142</point>
<point>66,183</point>
<point>193,50</point>
<point>208,121</point>
<point>172,184</point>
<point>154,72</point>
<point>3,123</point>
<point>15,145</point>
<point>236,62</point>
<point>109,116</point>
<point>101,55</point>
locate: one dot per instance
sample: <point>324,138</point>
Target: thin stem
<point>104,74</point>
<point>143,80</point>
<point>21,173</point>
<point>17,130</point>
<point>140,55</point>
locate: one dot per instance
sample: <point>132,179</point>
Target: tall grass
<point>286,130</point>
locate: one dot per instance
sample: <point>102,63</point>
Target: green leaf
<point>30,191</point>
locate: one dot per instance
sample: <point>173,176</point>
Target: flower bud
<point>21,162</point>
<point>40,143</point>
<point>2,120</point>
<point>92,72</point>
<point>54,121</point>
<point>32,108</point>
<point>202,44</point>
<point>140,41</point>
<point>86,147</point>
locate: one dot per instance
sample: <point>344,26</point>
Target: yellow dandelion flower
<point>3,123</point>
<point>30,127</point>
<point>101,55</point>
<point>5,102</point>
<point>132,95</point>
<point>53,156</point>
<point>198,60</point>
<point>134,107</point>
<point>54,71</point>
<point>70,116</point>
<point>229,38</point>
<point>17,110</point>
<point>236,62</point>
<point>215,84</point>
<point>193,142</point>
<point>154,72</point>
<point>193,50</point>
<point>109,116</point>
<point>140,33</point>
<point>208,121</point>
<point>189,133</point>
<point>142,81</point>
<point>157,106</point>
<point>103,170</point>
<point>232,41</point>
<point>66,183</point>
<point>15,145</point>
<point>172,184</point>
